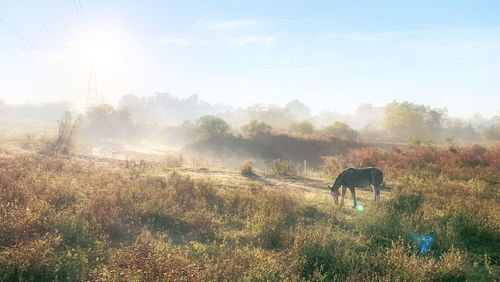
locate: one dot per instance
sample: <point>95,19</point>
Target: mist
<point>164,124</point>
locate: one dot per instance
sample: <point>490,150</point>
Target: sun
<point>106,52</point>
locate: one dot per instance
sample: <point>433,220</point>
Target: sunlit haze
<point>328,54</point>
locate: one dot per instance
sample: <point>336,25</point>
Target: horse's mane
<point>338,181</point>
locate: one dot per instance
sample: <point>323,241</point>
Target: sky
<point>330,55</point>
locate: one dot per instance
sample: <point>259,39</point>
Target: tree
<point>272,114</point>
<point>104,121</point>
<point>255,127</point>
<point>209,126</point>
<point>299,110</point>
<point>342,130</point>
<point>407,119</point>
<point>460,130</point>
<point>492,133</point>
<point>304,127</point>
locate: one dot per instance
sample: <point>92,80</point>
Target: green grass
<point>76,219</point>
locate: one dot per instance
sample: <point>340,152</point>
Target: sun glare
<point>107,51</point>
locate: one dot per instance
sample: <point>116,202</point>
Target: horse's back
<point>364,176</point>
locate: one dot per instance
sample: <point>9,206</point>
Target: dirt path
<point>307,188</point>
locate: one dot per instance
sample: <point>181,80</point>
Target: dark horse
<point>351,178</point>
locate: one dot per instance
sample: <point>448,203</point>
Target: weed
<point>282,168</point>
<point>174,160</point>
<point>246,168</point>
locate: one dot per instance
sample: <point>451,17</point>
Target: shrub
<point>255,127</point>
<point>282,168</point>
<point>342,130</point>
<point>174,160</point>
<point>415,141</point>
<point>271,222</point>
<point>325,253</point>
<point>65,142</point>
<point>200,161</point>
<point>246,168</point>
<point>305,128</point>
<point>461,162</point>
<point>208,127</point>
<point>492,133</point>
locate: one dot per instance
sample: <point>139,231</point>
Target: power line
<point>43,25</point>
<point>63,22</point>
<point>11,29</point>
<point>79,15</point>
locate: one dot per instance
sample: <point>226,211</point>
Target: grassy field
<point>75,218</point>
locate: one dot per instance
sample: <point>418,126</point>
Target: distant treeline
<point>167,115</point>
<point>47,112</point>
<point>395,121</point>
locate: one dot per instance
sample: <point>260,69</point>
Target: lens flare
<point>424,242</point>
<point>360,207</point>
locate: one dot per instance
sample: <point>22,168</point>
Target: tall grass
<point>73,219</point>
<point>452,162</point>
<point>282,168</point>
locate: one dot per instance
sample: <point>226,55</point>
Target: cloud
<point>233,25</point>
<point>242,41</point>
<point>183,41</point>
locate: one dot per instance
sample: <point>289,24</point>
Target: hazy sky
<point>328,54</point>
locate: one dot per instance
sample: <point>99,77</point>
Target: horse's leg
<point>377,189</point>
<point>344,189</point>
<point>374,192</point>
<point>353,193</point>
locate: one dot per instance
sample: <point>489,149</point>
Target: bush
<point>272,220</point>
<point>462,162</point>
<point>174,160</point>
<point>282,168</point>
<point>65,142</point>
<point>255,127</point>
<point>305,128</point>
<point>492,133</point>
<point>246,168</point>
<point>342,130</point>
<point>208,127</point>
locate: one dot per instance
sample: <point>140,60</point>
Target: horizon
<point>330,56</point>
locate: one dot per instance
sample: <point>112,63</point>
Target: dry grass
<point>75,219</point>
<point>282,168</point>
<point>174,160</point>
<point>453,162</point>
<point>246,168</point>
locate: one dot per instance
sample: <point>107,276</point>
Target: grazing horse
<point>351,178</point>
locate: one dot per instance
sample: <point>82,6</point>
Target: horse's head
<point>335,195</point>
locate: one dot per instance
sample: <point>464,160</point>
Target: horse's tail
<point>377,176</point>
